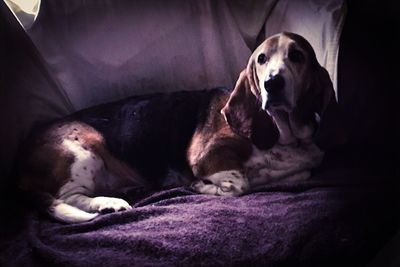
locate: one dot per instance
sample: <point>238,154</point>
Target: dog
<point>284,76</point>
<point>220,142</point>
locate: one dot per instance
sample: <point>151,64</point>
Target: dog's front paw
<point>224,183</point>
<point>108,204</point>
<point>203,187</point>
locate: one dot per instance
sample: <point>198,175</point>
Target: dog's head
<point>283,78</point>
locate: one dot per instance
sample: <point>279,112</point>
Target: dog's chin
<point>280,105</point>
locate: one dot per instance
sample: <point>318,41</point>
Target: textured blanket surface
<point>320,221</point>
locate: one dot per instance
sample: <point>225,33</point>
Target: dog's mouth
<point>275,101</point>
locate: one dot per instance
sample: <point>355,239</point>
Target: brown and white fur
<point>227,152</point>
<point>285,76</point>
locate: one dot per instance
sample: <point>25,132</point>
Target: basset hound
<point>220,142</point>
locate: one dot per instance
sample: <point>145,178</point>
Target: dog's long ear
<point>241,107</point>
<point>330,132</point>
<point>252,76</point>
<point>323,91</point>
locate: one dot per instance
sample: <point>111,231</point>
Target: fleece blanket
<point>330,218</point>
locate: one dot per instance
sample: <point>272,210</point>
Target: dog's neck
<point>292,128</point>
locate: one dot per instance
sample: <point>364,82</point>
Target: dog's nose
<point>274,84</point>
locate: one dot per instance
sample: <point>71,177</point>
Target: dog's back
<point>151,132</point>
<point>108,149</point>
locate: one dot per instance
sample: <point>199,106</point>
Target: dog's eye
<point>296,56</point>
<point>262,58</point>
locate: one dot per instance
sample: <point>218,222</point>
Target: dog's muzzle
<point>274,87</point>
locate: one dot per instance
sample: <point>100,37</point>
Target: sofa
<point>79,54</point>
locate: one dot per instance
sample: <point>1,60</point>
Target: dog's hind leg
<point>80,208</point>
<point>78,195</point>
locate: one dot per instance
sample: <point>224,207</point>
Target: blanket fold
<point>308,223</point>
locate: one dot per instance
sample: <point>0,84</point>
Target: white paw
<point>225,183</point>
<point>204,188</point>
<point>108,204</point>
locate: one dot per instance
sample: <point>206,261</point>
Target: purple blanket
<point>315,222</point>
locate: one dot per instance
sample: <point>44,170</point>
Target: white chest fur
<point>287,162</point>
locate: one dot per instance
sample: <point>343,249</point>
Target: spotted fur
<point>219,141</point>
